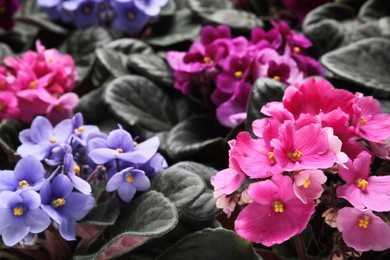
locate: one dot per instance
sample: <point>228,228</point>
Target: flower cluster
<point>7,10</point>
<point>75,155</point>
<point>38,83</point>
<point>128,16</point>
<point>225,68</point>
<point>317,137</point>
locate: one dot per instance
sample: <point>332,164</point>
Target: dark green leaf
<point>114,62</point>
<point>236,19</point>
<point>204,8</point>
<point>204,207</point>
<point>104,214</point>
<point>211,244</point>
<point>152,67</point>
<point>5,51</point>
<point>129,46</point>
<point>169,8</point>
<point>137,100</point>
<point>365,62</point>
<point>263,91</point>
<point>374,10</point>
<point>9,132</point>
<point>174,29</point>
<point>150,215</point>
<point>42,21</point>
<point>180,186</point>
<point>193,135</point>
<point>205,172</point>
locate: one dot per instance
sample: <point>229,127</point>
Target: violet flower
<point>64,206</point>
<point>128,182</point>
<point>20,215</point>
<point>7,10</point>
<point>71,169</point>
<point>85,13</point>
<point>52,8</point>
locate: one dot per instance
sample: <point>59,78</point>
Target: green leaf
<point>365,62</point>
<point>114,62</point>
<point>137,100</point>
<point>9,132</point>
<point>42,21</point>
<point>194,135</point>
<point>373,10</point>
<point>104,214</point>
<point>174,29</point>
<point>149,215</point>
<point>205,8</point>
<point>203,245</point>
<point>179,186</point>
<point>263,91</point>
<point>5,51</point>
<point>169,8</point>
<point>152,67</point>
<point>236,19</point>
<point>205,172</point>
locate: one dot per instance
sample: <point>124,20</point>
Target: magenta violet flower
<point>363,230</point>
<point>7,10</point>
<point>308,184</point>
<point>20,214</point>
<point>63,205</point>
<point>361,190</point>
<point>128,182</point>
<point>275,215</point>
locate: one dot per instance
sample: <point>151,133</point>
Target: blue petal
<point>37,220</point>
<point>61,186</point>
<point>31,199</point>
<point>95,143</point>
<point>80,184</point>
<point>9,199</point>
<point>29,169</point>
<point>115,181</point>
<point>156,164</point>
<point>45,193</point>
<point>51,212</point>
<point>41,129</point>
<point>25,136</point>
<point>141,182</point>
<point>126,192</point>
<point>102,155</point>
<point>36,150</point>
<point>119,138</point>
<point>8,181</point>
<point>16,232</point>
<point>6,219</point>
<point>68,228</point>
<point>78,205</point>
<point>63,130</point>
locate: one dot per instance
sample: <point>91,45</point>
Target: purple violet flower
<point>41,138</point>
<point>120,145</point>
<point>82,133</point>
<point>28,174</point>
<point>71,169</point>
<point>20,215</point>
<point>64,206</point>
<point>128,18</point>
<point>150,7</point>
<point>52,8</point>
<point>85,12</point>
<point>128,182</point>
<point>7,10</point>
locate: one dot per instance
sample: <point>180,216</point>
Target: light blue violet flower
<point>41,138</point>
<point>65,206</point>
<point>71,169</point>
<point>21,215</point>
<point>29,173</point>
<point>127,17</point>
<point>128,182</point>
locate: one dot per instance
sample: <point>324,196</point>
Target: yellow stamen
<point>59,108</point>
<point>364,220</point>
<point>238,74</point>
<point>119,150</point>
<point>86,10</point>
<point>297,49</point>
<point>363,121</point>
<point>50,59</point>
<point>277,78</point>
<point>131,16</point>
<point>207,60</point>
<point>2,107</point>
<point>3,9</point>
<point>129,178</point>
<point>58,202</point>
<point>76,169</point>
<point>278,206</point>
<point>33,84</point>
<point>362,183</point>
<point>18,211</point>
<point>271,157</point>
<point>79,130</point>
<point>23,183</point>
<point>135,143</point>
<point>53,140</point>
<point>294,156</point>
<point>306,183</point>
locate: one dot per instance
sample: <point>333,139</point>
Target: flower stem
<point>300,246</point>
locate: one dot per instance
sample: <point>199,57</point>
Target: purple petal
<point>126,192</point>
<point>68,228</point>
<point>61,186</point>
<point>103,155</point>
<point>119,138</point>
<point>6,219</point>
<point>9,199</point>
<point>63,130</point>
<point>29,169</point>
<point>78,205</point>
<point>25,136</point>
<point>37,220</point>
<point>96,143</point>
<point>45,192</point>
<point>115,181</point>
<point>8,181</point>
<point>54,214</point>
<point>15,233</point>
<point>80,184</point>
<point>38,151</point>
<point>41,129</point>
<point>141,182</point>
<point>31,199</point>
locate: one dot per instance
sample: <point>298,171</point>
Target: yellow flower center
<point>306,183</point>
<point>362,183</point>
<point>2,107</point>
<point>50,59</point>
<point>79,130</point>
<point>86,10</point>
<point>23,183</point>
<point>207,60</point>
<point>53,140</point>
<point>130,16</point>
<point>238,74</point>
<point>363,121</point>
<point>33,84</point>
<point>277,78</point>
<point>129,178</point>
<point>3,9</point>
<point>76,169</point>
<point>294,156</point>
<point>58,202</point>
<point>135,143</point>
<point>297,49</point>
<point>18,211</point>
<point>364,220</point>
<point>271,157</point>
<point>119,150</point>
<point>278,206</point>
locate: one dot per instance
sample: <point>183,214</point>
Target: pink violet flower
<point>305,148</point>
<point>362,230</point>
<point>8,105</point>
<point>62,108</point>
<point>33,102</point>
<point>275,215</point>
<point>308,184</point>
<point>361,190</point>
